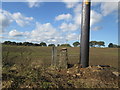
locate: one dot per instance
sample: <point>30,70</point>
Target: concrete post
<point>63,60</point>
<point>54,56</point>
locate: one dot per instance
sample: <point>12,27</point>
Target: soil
<point>90,77</point>
<point>73,77</point>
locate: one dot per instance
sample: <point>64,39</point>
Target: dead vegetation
<point>51,77</point>
<point>29,67</point>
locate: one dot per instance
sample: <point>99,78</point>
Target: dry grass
<point>42,55</point>
<point>104,56</point>
<point>25,67</point>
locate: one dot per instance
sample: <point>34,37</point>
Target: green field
<point>24,66</point>
<point>42,55</point>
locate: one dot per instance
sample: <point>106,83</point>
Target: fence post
<point>63,60</point>
<point>54,56</point>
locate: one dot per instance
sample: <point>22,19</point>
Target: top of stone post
<point>64,48</point>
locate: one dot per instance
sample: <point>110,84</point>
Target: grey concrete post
<point>63,60</point>
<point>54,56</point>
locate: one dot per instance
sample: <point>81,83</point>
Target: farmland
<point>42,55</point>
<point>24,64</point>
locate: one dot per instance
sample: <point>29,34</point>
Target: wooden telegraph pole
<point>85,33</point>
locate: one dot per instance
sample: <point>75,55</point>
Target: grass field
<point>22,65</point>
<point>42,55</point>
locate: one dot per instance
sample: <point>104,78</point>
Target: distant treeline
<point>75,44</point>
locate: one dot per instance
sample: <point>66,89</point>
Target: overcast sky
<point>57,22</point>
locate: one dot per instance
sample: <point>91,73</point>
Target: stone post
<point>63,60</point>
